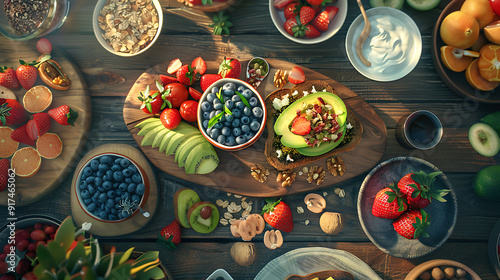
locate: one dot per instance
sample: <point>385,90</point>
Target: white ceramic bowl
<point>98,31</point>
<point>278,18</point>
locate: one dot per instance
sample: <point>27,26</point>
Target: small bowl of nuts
<point>442,269</point>
<point>127,28</point>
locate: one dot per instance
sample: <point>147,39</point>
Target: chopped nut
<point>259,173</point>
<point>300,173</point>
<point>306,222</point>
<point>316,174</point>
<point>249,208</point>
<point>325,193</point>
<point>229,194</point>
<point>336,166</point>
<point>286,178</point>
<point>342,193</point>
<point>305,170</point>
<point>280,78</point>
<point>228,215</point>
<point>238,196</point>
<point>223,222</point>
<point>337,190</point>
<point>300,210</point>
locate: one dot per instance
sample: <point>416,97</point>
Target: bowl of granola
<point>127,28</point>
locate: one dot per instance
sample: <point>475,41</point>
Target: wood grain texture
<point>428,266</point>
<point>52,171</point>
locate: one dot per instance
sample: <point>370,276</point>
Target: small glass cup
<point>43,17</point>
<point>419,130</point>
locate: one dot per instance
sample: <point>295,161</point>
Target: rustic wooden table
<point>185,34</point>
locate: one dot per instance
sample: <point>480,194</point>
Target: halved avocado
<point>186,147</point>
<point>282,124</point>
<point>324,147</point>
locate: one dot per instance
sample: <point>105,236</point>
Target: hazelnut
<point>244,253</point>
<point>273,239</point>
<point>425,276</point>
<point>331,223</point>
<point>449,272</point>
<point>437,273</point>
<point>315,202</point>
<point>461,273</point>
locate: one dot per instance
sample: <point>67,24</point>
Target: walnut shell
<point>244,253</point>
<point>331,223</point>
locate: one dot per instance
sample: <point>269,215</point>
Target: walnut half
<point>286,178</point>
<point>260,173</point>
<point>316,174</point>
<point>336,166</point>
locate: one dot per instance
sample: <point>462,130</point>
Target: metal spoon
<point>364,35</point>
<point>257,80</point>
<point>145,214</point>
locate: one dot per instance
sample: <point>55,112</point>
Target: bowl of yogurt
<point>393,48</point>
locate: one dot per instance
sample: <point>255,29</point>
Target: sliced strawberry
<point>21,135</point>
<point>306,15</point>
<point>281,4</point>
<point>292,10</point>
<point>38,126</point>
<point>196,95</point>
<point>312,32</point>
<point>165,80</point>
<point>173,66</point>
<point>4,173</point>
<point>323,20</point>
<point>208,79</point>
<point>44,46</point>
<point>199,65</point>
<point>296,75</point>
<point>315,2</point>
<point>301,125</point>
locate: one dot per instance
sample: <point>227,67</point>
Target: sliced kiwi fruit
<point>484,139</point>
<point>186,146</point>
<point>165,140</point>
<point>159,137</point>
<point>202,159</point>
<point>147,121</point>
<point>183,200</point>
<point>183,131</point>
<point>203,216</point>
<point>148,127</point>
<point>150,136</point>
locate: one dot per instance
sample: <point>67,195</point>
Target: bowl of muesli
<point>127,28</point>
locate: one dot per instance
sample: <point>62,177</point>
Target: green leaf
<point>415,193</point>
<point>78,253</point>
<point>152,273</point>
<point>88,273</point>
<point>219,95</point>
<point>45,257</point>
<point>215,119</point>
<point>243,99</point>
<point>227,111</point>
<point>66,234</point>
<point>151,255</point>
<point>126,255</point>
<point>120,272</point>
<point>57,252</point>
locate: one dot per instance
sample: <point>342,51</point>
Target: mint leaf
<point>243,99</point>
<point>215,119</point>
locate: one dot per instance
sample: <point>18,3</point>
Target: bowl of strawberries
<point>308,21</point>
<point>407,207</point>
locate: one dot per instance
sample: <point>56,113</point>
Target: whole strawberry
<point>208,79</point>
<point>278,215</point>
<point>170,235</point>
<point>389,203</point>
<point>419,189</point>
<point>8,78</point>
<point>323,19</point>
<point>306,15</point>
<point>21,135</point>
<point>12,112</point>
<point>153,101</point>
<point>412,224</point>
<point>63,115</point>
<point>230,68</point>
<point>4,173</point>
<point>170,118</point>
<point>38,126</point>
<point>292,10</point>
<point>186,75</point>
<point>26,74</point>
<point>292,27</point>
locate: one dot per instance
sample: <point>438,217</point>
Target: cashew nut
<point>315,203</point>
<point>273,239</point>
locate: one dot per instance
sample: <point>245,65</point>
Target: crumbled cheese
<point>284,96</point>
<point>324,90</point>
<point>279,103</point>
<point>279,153</point>
<point>313,90</point>
<point>285,101</point>
<point>288,158</point>
<point>334,137</point>
<point>349,126</point>
<point>306,93</point>
<point>339,112</point>
<point>295,93</point>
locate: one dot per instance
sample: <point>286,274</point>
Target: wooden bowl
<point>418,270</point>
<point>336,274</point>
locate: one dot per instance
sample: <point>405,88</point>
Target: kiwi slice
<point>148,127</point>
<point>183,200</point>
<point>159,137</point>
<point>203,216</point>
<point>150,136</point>
<point>147,121</point>
<point>186,146</point>
<point>202,159</point>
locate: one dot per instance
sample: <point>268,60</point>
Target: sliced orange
<point>37,99</point>
<point>456,59</point>
<point>489,63</point>
<point>26,162</point>
<point>475,80</point>
<point>8,146</point>
<point>49,145</point>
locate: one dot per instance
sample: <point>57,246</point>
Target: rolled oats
<point>228,215</point>
<point>223,222</point>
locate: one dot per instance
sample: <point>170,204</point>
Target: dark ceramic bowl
<point>494,248</point>
<point>443,215</point>
<point>456,81</point>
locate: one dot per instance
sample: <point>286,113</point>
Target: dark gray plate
<point>443,216</point>
<point>493,245</point>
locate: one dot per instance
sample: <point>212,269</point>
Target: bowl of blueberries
<point>111,187</point>
<point>232,114</point>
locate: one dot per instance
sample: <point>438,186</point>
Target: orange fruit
<point>492,32</point>
<point>475,80</point>
<point>480,9</point>
<point>37,99</point>
<point>26,162</point>
<point>455,59</point>
<point>49,145</point>
<point>489,63</point>
<point>459,30</point>
<point>7,145</point>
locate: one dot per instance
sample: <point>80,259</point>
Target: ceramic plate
<point>309,260</point>
<point>494,248</point>
<point>385,68</point>
<point>456,81</point>
<point>443,215</point>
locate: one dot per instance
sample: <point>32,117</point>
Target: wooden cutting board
<point>52,171</point>
<point>233,173</point>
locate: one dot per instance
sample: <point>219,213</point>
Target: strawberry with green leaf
<point>170,235</point>
<point>8,78</point>
<point>186,75</point>
<point>153,101</point>
<point>278,215</point>
<point>412,224</point>
<point>4,173</point>
<point>63,115</point>
<point>12,112</point>
<point>230,68</point>
<point>419,189</point>
<point>389,203</point>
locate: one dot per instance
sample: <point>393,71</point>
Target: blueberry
<point>132,168</point>
<point>112,217</point>
<point>97,193</point>
<point>102,198</point>
<point>211,96</point>
<point>227,124</point>
<point>218,112</point>
<point>94,199</point>
<point>91,189</point>
<point>119,192</point>
<point>254,125</point>
<point>214,133</point>
<point>240,105</point>
<point>118,176</point>
<point>230,140</point>
<point>247,111</point>
<point>100,189</point>
<point>113,210</point>
<point>253,101</point>
<point>221,139</point>
<point>236,123</point>
<point>206,106</point>
<point>249,135</point>
<point>140,189</point>
<point>128,180</point>
<point>90,179</point>
<point>215,90</point>
<point>216,101</point>
<point>229,86</point>
<point>209,130</point>
<point>135,198</point>
<point>226,131</point>
<point>103,167</point>
<point>115,185</point>
<point>85,194</point>
<point>236,131</point>
<point>241,88</point>
<point>99,174</point>
<point>230,104</point>
<point>98,181</point>
<point>91,207</point>
<point>119,215</point>
<point>228,92</point>
<point>109,174</point>
<point>116,167</point>
<point>94,164</point>
<point>87,201</point>
<point>212,114</point>
<point>247,93</point>
<point>83,185</point>
<point>125,196</point>
<point>107,185</point>
<point>105,178</point>
<point>236,113</point>
<point>117,206</point>
<point>245,120</point>
<point>125,214</point>
<point>106,159</point>
<point>103,215</point>
<point>257,112</point>
<point>124,162</point>
<point>110,203</point>
<point>131,188</point>
<point>206,115</point>
<point>117,160</point>
<point>229,118</point>
<point>111,193</point>
<point>245,128</point>
<point>240,139</point>
<point>218,106</point>
<point>126,173</point>
<point>83,177</point>
<point>205,124</point>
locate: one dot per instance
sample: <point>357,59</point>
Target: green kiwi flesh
<point>183,200</point>
<point>197,222</point>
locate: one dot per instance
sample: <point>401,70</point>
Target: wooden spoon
<point>364,35</point>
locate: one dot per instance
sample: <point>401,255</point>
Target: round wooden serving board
<point>233,173</point>
<point>136,221</point>
<point>52,171</point>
